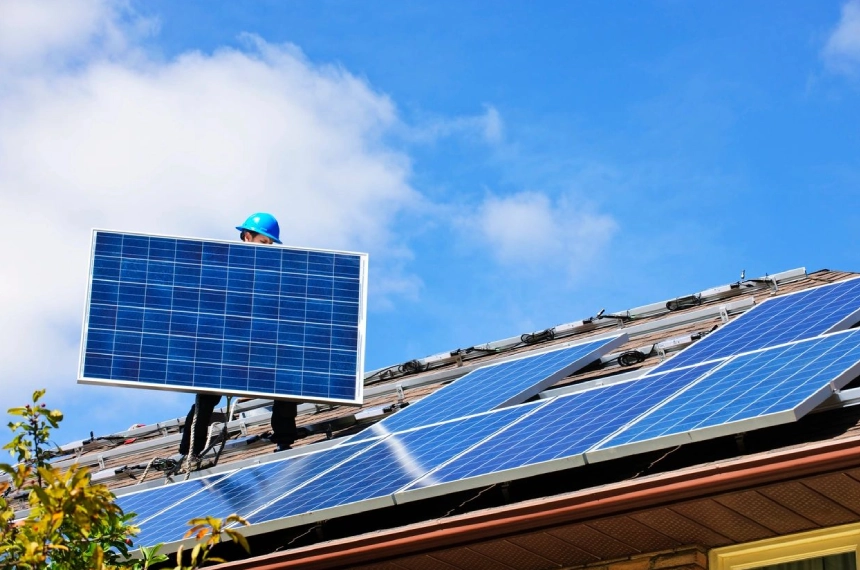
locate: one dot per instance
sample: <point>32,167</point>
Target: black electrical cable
<point>382,375</point>
<point>412,367</point>
<point>534,338</point>
<point>472,349</point>
<point>108,438</point>
<point>630,358</point>
<point>684,303</point>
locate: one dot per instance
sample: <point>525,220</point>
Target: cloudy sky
<point>507,170</point>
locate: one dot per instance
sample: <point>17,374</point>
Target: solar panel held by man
<point>251,319</point>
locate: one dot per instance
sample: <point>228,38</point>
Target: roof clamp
<point>771,281</point>
<point>661,353</point>
<point>400,395</point>
<point>724,314</point>
<point>100,458</point>
<point>677,343</point>
<point>243,427</point>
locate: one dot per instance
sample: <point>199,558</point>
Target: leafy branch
<point>73,524</point>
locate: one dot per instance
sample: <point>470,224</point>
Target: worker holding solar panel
<point>214,318</point>
<point>258,228</point>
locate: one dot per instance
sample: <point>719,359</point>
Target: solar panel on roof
<point>150,502</point>
<point>796,316</point>
<point>389,465</point>
<point>750,391</point>
<point>495,386</point>
<point>227,318</point>
<point>556,436</point>
<point>719,392</point>
<point>332,477</point>
<point>243,492</point>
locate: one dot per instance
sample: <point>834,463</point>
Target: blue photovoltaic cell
<point>152,501</point>
<point>491,386</point>
<point>391,464</point>
<point>797,316</point>
<point>751,386</point>
<point>567,426</point>
<point>243,492</point>
<point>228,318</point>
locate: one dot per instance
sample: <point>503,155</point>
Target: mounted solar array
<point>243,492</point>
<point>746,391</point>
<point>390,465</point>
<point>495,386</point>
<point>796,316</point>
<point>751,391</point>
<point>337,476</point>
<point>503,384</point>
<point>564,429</point>
<point>225,318</point>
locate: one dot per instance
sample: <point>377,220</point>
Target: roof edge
<point>533,515</point>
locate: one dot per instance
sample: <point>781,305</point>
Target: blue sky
<point>508,166</point>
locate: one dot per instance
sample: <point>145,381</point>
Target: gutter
<point>534,515</point>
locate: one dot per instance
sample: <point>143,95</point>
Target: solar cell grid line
<point>149,502</point>
<point>367,481</point>
<point>494,386</point>
<point>553,438</point>
<point>750,391</point>
<point>224,317</point>
<point>795,316</point>
<point>244,491</point>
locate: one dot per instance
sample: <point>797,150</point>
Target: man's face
<point>257,238</point>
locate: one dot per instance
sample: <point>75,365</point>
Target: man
<point>258,228</point>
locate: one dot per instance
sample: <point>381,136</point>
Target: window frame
<point>788,548</point>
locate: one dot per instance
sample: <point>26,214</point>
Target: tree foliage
<point>73,524</point>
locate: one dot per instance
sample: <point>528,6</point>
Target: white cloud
<point>487,127</point>
<point>528,229</point>
<point>842,51</point>
<point>189,146</point>
<point>36,33</point>
<point>492,125</point>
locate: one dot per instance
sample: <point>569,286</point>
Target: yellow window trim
<point>813,544</point>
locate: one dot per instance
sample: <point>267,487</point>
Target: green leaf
<point>239,539</point>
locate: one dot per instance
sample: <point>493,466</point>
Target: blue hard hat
<point>262,223</point>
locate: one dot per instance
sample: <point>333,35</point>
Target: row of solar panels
<point>783,319</point>
<point>743,378</point>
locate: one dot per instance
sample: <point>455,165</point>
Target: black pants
<point>283,423</point>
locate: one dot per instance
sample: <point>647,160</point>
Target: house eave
<point>610,500</point>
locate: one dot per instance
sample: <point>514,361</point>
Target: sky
<point>508,166</point>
